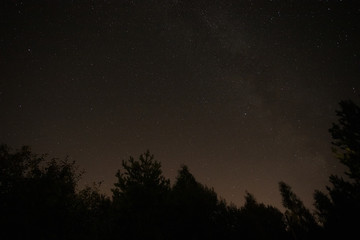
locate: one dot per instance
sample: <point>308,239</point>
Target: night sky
<point>243,92</point>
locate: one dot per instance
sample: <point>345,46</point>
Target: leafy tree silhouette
<point>260,221</point>
<point>39,200</point>
<point>338,210</point>
<point>93,214</point>
<point>301,223</point>
<point>194,207</point>
<point>139,197</point>
<point>37,195</point>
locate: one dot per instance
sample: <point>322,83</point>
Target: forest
<point>40,199</point>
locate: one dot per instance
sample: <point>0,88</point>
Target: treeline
<point>39,200</point>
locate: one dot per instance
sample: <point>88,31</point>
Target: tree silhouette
<point>139,197</point>
<point>37,195</point>
<point>194,207</point>
<point>301,223</point>
<point>260,221</point>
<point>93,214</point>
<point>346,136</point>
<point>338,210</point>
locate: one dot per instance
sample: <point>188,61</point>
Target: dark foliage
<point>338,209</point>
<point>259,221</point>
<point>301,223</point>
<point>37,195</point>
<point>139,198</point>
<point>39,200</point>
<point>193,208</point>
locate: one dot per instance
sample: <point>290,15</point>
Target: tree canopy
<point>337,209</point>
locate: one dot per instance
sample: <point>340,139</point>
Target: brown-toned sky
<point>242,92</point>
